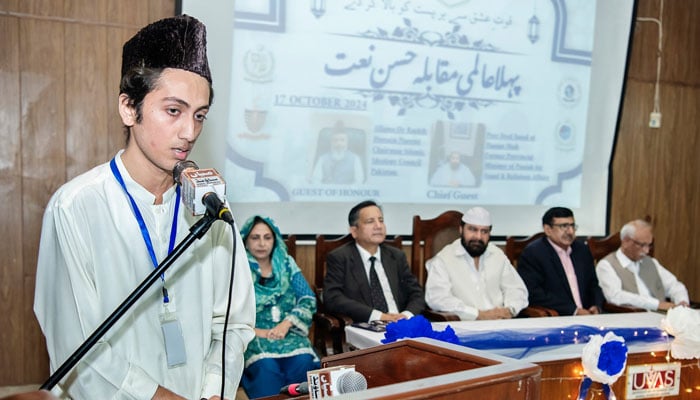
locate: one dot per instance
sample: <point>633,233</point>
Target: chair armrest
<point>327,322</point>
<point>343,319</point>
<point>614,308</point>
<point>537,311</point>
<point>439,316</point>
<point>329,332</point>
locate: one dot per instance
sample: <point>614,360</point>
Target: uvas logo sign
<point>653,380</point>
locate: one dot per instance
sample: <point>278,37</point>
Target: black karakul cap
<point>177,42</point>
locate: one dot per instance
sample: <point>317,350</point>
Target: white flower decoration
<point>683,324</point>
<point>604,358</point>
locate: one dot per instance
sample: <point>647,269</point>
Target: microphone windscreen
<point>180,167</point>
<point>351,381</point>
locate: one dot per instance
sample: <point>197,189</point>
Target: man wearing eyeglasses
<point>558,270</point>
<point>629,277</point>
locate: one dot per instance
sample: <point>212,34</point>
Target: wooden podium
<point>427,368</point>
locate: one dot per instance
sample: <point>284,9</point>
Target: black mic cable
<point>228,310</point>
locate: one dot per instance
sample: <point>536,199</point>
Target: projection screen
<point>422,106</point>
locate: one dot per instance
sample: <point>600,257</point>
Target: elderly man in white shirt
<point>629,277</point>
<point>472,277</point>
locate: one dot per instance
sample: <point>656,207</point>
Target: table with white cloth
<point>561,364</point>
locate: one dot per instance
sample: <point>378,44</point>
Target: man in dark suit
<point>367,280</point>
<point>558,270</point>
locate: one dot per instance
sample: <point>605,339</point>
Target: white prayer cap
<point>477,216</point>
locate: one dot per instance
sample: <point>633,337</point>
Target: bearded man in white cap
<point>473,278</point>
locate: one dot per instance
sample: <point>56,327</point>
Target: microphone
<point>333,381</point>
<point>351,381</point>
<point>347,382</point>
<point>295,389</point>
<point>202,190</point>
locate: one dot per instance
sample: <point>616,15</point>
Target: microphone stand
<point>196,232</point>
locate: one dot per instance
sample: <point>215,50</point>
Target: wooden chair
<point>429,237</point>
<point>515,247</point>
<point>291,242</point>
<point>601,247</point>
<point>321,321</point>
<point>329,329</point>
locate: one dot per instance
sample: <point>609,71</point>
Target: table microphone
<point>348,382</point>
<point>351,381</point>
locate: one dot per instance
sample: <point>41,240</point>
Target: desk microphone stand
<point>196,232</point>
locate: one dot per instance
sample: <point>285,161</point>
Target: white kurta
<point>455,285</point>
<point>91,257</point>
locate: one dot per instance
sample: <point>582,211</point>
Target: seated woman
<point>280,353</point>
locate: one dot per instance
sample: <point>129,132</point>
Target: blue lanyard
<point>142,224</point>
